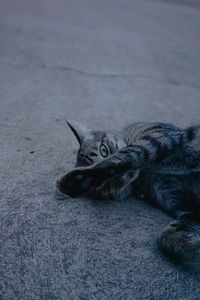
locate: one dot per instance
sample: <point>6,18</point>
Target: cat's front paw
<point>78,181</point>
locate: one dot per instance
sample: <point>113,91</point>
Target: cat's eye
<point>103,150</point>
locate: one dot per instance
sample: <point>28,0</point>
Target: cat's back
<point>183,162</point>
<point>135,131</point>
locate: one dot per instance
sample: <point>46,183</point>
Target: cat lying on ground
<point>155,161</point>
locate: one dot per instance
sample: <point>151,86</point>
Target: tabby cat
<point>155,161</point>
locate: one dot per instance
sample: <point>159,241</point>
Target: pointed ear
<point>80,131</point>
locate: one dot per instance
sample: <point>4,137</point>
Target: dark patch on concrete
<point>27,138</point>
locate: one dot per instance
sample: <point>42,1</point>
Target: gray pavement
<point>106,64</point>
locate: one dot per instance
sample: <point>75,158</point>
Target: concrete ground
<point>106,64</point>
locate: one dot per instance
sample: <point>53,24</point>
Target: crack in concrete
<point>82,72</point>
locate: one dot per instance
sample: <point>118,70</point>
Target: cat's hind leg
<point>181,239</point>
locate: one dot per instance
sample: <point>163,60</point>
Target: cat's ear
<point>80,131</point>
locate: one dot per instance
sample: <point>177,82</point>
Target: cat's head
<point>95,145</point>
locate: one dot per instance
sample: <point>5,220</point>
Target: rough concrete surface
<point>106,64</point>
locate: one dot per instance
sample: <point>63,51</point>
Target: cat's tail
<point>181,239</point>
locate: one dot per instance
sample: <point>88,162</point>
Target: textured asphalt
<point>105,64</point>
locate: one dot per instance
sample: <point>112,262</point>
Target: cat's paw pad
<point>74,183</point>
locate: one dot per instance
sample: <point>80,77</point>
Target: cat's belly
<point>169,190</point>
